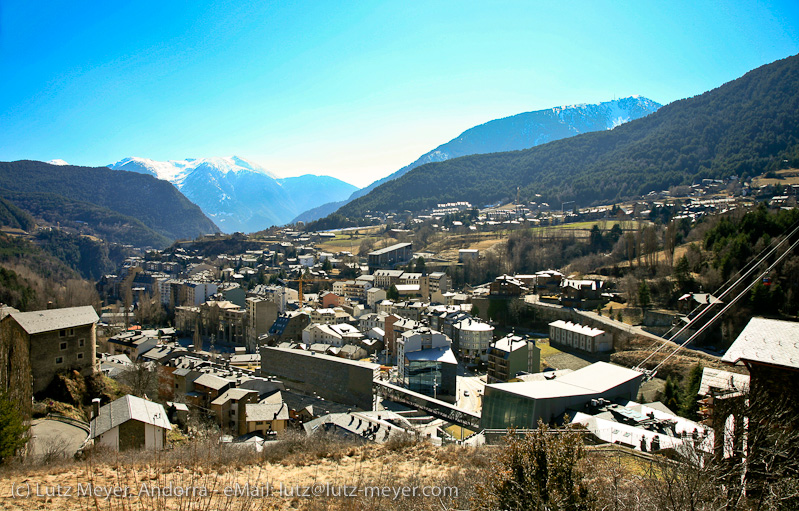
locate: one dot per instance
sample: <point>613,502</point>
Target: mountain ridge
<point>240,195</point>
<point>743,127</point>
<point>517,132</point>
<point>83,193</point>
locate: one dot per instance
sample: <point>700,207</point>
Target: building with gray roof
<point>522,404</point>
<point>130,422</point>
<point>58,340</point>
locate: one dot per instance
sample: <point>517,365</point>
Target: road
<point>50,437</point>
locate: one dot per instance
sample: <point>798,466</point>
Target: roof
<point>407,287</point>
<point>37,322</point>
<point>597,378</point>
<point>716,379</point>
<point>211,381</point>
<point>129,408</point>
<point>390,249</point>
<point>509,343</point>
<point>266,412</point>
<point>767,341</point>
<point>233,394</point>
<point>577,328</point>
<point>442,354</point>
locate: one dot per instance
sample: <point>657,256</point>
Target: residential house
<point>230,412</point>
<point>130,422</point>
<point>266,418</point>
<point>581,337</point>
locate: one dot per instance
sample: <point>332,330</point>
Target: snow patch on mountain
<point>57,161</point>
<point>238,194</point>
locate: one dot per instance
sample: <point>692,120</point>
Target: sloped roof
<point>37,322</point>
<point>233,394</point>
<point>129,408</point>
<point>722,381</point>
<point>211,381</point>
<point>767,341</point>
<point>267,412</point>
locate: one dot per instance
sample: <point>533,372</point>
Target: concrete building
<point>389,257</point>
<point>581,337</point>
<point>439,282</point>
<point>336,335</point>
<point>426,364</point>
<point>474,338</point>
<point>323,316</point>
<point>384,279</point>
<point>130,422</point>
<point>261,315</point>
<point>337,379</point>
<point>581,294</point>
<point>58,340</point>
<point>510,356</point>
<point>769,349</point>
<point>374,296</point>
<point>229,410</point>
<point>288,327</point>
<point>522,404</point>
<point>468,254</point>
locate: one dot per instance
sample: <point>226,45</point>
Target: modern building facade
<point>510,356</point>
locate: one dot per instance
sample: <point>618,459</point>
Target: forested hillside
<point>31,274</point>
<point>156,204</point>
<point>109,225</point>
<point>744,128</point>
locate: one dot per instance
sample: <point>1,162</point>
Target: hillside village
<point>379,344</point>
<point>577,308</point>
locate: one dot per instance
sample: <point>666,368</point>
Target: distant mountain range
<point>125,208</point>
<point>239,195</point>
<point>743,128</point>
<point>514,133</point>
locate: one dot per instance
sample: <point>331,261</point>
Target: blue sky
<point>350,89</point>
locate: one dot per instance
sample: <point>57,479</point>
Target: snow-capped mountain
<point>239,195</point>
<point>57,161</point>
<point>521,131</point>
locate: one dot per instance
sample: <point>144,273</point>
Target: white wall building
<point>130,422</point>
<point>580,337</point>
<point>474,338</point>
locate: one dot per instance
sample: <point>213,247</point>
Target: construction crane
<point>303,279</point>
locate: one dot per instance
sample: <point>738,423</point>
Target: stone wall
<point>48,347</point>
<point>340,380</point>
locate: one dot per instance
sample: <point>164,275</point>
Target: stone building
<point>58,340</point>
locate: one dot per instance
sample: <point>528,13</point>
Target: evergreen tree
<point>644,296</point>
<point>689,406</point>
<point>13,429</point>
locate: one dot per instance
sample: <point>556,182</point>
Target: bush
<point>537,471</point>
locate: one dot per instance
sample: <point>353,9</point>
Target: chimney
<point>95,407</point>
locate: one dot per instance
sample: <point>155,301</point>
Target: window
<point>80,356</point>
<point>62,333</point>
<point>71,332</point>
<point>81,342</point>
<point>59,360</point>
<point>63,346</point>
